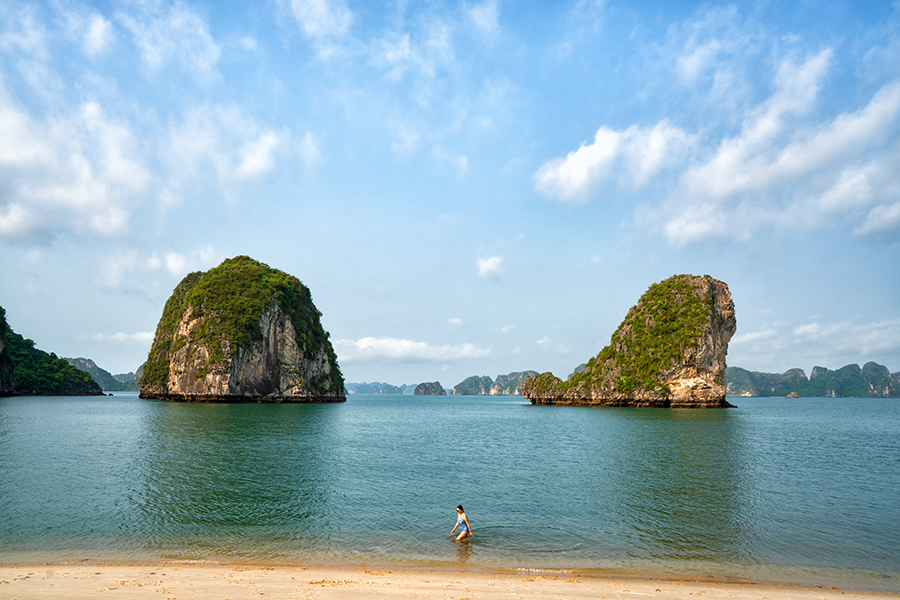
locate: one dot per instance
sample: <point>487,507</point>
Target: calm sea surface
<point>805,491</point>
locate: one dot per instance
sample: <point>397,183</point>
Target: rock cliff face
<point>504,385</point>
<point>242,332</point>
<point>668,352</point>
<point>433,388</point>
<point>473,386</point>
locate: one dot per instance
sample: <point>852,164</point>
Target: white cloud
<point>759,179</point>
<point>324,21</point>
<point>631,156</point>
<point>256,157</point>
<point>321,18</point>
<point>863,339</point>
<point>490,266</point>
<point>507,328</point>
<point>98,36</point>
<point>180,265</point>
<point>456,322</point>
<point>370,349</point>
<point>308,150</point>
<point>424,52</point>
<point>831,344</point>
<point>884,217</point>
<point>130,268</point>
<point>749,338</point>
<point>227,143</point>
<point>141,338</point>
<point>177,35</point>
<point>485,16</point>
<point>23,34</point>
<point>79,172</point>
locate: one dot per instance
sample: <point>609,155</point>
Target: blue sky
<point>467,188</point>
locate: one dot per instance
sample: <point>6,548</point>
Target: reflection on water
<point>677,486</point>
<point>796,490</point>
<point>242,480</point>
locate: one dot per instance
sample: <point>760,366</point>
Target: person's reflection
<point>464,551</point>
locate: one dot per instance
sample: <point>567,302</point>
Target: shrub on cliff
<point>669,350</point>
<point>224,306</point>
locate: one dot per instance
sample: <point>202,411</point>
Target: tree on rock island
<point>669,352</point>
<point>242,332</point>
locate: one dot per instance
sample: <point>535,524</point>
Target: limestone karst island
<point>668,352</point>
<point>241,332</point>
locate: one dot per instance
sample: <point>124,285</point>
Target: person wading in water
<point>462,521</point>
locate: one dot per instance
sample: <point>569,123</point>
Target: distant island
<point>669,351</point>
<point>124,382</point>
<point>378,388</point>
<point>872,381</point>
<point>26,370</point>
<point>433,388</point>
<point>504,385</point>
<point>241,332</point>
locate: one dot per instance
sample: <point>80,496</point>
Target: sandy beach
<point>171,581</point>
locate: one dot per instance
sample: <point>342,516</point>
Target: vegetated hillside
<point>872,381</point>
<point>432,388</point>
<point>474,386</point>
<point>504,385</point>
<point>108,382</point>
<point>242,331</point>
<point>668,351</point>
<point>26,370</point>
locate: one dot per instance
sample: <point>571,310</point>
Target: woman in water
<point>462,521</point>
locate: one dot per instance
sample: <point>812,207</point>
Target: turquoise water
<point>805,491</point>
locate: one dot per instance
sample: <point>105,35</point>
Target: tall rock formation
<point>474,386</point>
<point>242,332</point>
<point>668,352</point>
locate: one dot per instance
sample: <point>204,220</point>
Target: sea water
<point>804,491</point>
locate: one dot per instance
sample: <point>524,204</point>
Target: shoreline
<point>202,580</point>
<point>44,575</point>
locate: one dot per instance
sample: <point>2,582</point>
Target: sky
<point>467,188</point>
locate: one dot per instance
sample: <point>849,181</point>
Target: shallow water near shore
<point>804,491</point>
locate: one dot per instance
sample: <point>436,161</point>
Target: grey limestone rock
<point>668,352</point>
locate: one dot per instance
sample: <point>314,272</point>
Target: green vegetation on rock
<point>667,319</point>
<point>433,388</point>
<point>504,385</point>
<point>473,386</point>
<point>107,381</point>
<point>872,381</point>
<point>668,351</point>
<point>231,298</point>
<point>25,369</point>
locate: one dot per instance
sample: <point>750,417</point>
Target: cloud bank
<point>789,165</point>
<point>370,349</point>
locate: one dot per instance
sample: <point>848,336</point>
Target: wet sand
<point>206,581</point>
